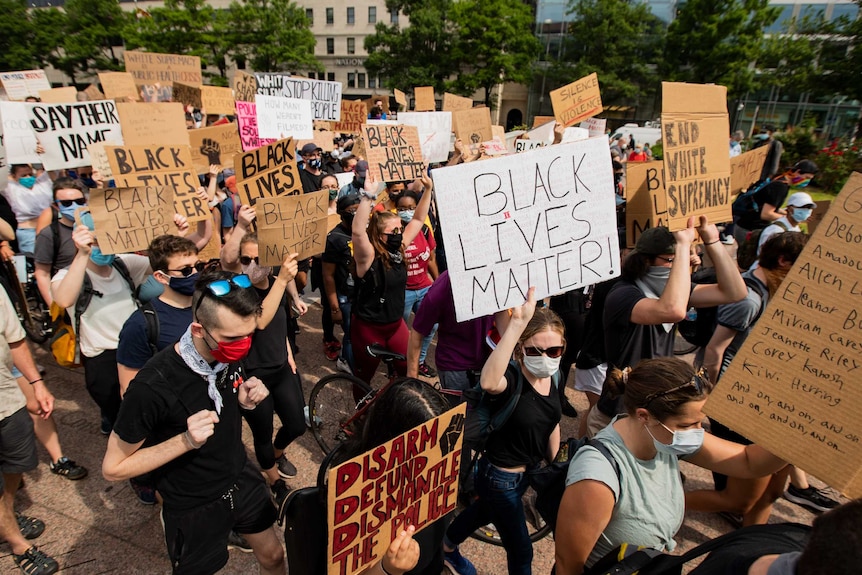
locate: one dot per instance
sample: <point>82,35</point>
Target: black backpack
<point>747,252</point>
<point>745,202</point>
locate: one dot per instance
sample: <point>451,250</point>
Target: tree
<point>16,52</point>
<point>272,35</point>
<point>493,43</point>
<point>718,41</point>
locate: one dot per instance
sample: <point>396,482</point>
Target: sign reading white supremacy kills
<point>543,218</point>
<point>325,96</point>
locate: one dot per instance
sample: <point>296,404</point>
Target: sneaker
<point>342,366</point>
<point>30,527</point>
<point>811,498</point>
<point>145,493</point>
<point>280,491</point>
<point>238,542</point>
<point>568,409</point>
<point>68,469</point>
<point>105,427</point>
<point>331,350</point>
<point>285,468</point>
<point>426,370</point>
<point>35,562</point>
<point>457,563</point>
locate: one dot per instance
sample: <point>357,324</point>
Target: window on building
<point>330,45</point>
<point>240,63</point>
<point>309,13</point>
<point>351,45</point>
<point>393,16</point>
<point>361,80</point>
<point>372,82</point>
<point>330,76</point>
<point>330,16</point>
<point>849,10</point>
<point>372,14</point>
<point>782,23</point>
<point>351,80</point>
<point>351,15</point>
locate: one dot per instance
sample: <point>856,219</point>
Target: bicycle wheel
<point>536,526</point>
<point>38,327</point>
<point>330,405</point>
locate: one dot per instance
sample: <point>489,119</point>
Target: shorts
<point>197,538</point>
<point>597,421</point>
<point>592,379</point>
<point>18,443</point>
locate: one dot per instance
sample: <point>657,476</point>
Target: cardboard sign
<point>244,87</point>
<point>453,102</point>
<point>217,100</point>
<point>291,224</point>
<point>400,98</point>
<point>411,480</point>
<point>817,215</point>
<point>745,168</point>
<point>165,69</point>
<point>435,133</point>
<point>472,126</point>
<point>696,161</point>
<point>424,99</point>
<point>279,117</point>
<point>393,152</point>
<point>119,85</point>
<point>19,139</point>
<point>325,97</point>
<point>20,85</point>
<point>246,119</point>
<point>147,123</point>
<point>352,117</point>
<point>646,200</point>
<point>64,95</point>
<point>495,147</point>
<point>323,140</point>
<point>268,172</point>
<point>127,219</point>
<point>544,218</point>
<point>578,101</point>
<point>498,133</point>
<point>187,95</point>
<point>523,145</point>
<point>157,166</point>
<point>542,120</point>
<point>99,160</point>
<point>65,130</point>
<point>369,103</point>
<point>793,386</point>
<point>156,93</point>
<point>214,145</point>
<point>322,126</point>
<point>93,93</point>
<point>595,126</point>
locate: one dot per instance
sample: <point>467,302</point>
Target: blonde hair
<point>543,320</point>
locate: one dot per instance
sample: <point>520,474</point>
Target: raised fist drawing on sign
<point>212,150</point>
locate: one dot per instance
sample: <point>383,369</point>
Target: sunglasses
<point>221,288</point>
<point>552,352</point>
<point>664,259</point>
<point>82,201</point>
<point>186,271</point>
<point>246,260</point>
<point>395,231</point>
<point>696,383</point>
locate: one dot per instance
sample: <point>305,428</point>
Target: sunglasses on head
<point>552,352</point>
<point>696,383</point>
<point>186,271</point>
<point>221,288</point>
<point>246,260</point>
<point>82,201</point>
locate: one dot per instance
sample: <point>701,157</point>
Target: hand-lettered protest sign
<point>217,100</point>
<point>541,121</point>
<point>792,388</point>
<point>352,117</point>
<point>291,224</point>
<point>244,87</point>
<point>435,133</point>
<point>495,147</point>
<point>325,97</point>
<point>187,95</point>
<point>400,98</point>
<point>119,85</point>
<point>214,145</point>
<point>164,69</point>
<point>156,93</point>
<point>745,168</point>
<point>696,161</point>
<point>646,201</point>
<point>20,85</point>
<point>820,209</point>
<point>147,123</point>
<point>268,172</point>
<point>595,126</point>
<point>64,95</point>
<point>65,130</point>
<point>578,101</point>
<point>323,139</point>
<point>127,219</point>
<point>424,99</point>
<point>393,152</point>
<point>472,126</point>
<point>93,93</point>
<point>453,102</point>
<point>19,139</point>
<point>99,160</point>
<point>279,117</point>
<point>544,218</point>
<point>411,480</point>
<point>157,166</point>
<point>524,145</point>
<point>246,119</point>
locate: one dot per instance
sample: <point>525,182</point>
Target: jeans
<point>412,302</point>
<point>26,240</point>
<point>500,503</point>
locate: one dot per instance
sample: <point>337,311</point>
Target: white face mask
<point>256,273</point>
<point>541,365</point>
<point>684,442</point>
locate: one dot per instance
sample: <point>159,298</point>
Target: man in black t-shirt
<point>337,280</point>
<point>55,249</point>
<point>180,419</point>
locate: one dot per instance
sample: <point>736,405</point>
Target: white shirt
<point>28,203</point>
<point>772,230</point>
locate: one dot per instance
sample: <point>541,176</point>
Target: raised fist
<point>212,150</point>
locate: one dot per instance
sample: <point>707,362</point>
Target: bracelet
<point>712,242</point>
<point>36,381</point>
<point>189,441</point>
<point>383,568</point>
<point>370,196</point>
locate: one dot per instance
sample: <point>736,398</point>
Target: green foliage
<point>87,38</point>
<point>717,41</point>
<point>800,143</point>
<point>17,36</point>
<point>836,163</point>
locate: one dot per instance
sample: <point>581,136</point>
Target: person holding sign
<point>642,503</point>
<point>381,277</point>
<point>536,337</point>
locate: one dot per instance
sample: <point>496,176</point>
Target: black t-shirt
<point>269,345</point>
<point>310,182</point>
<point>773,193</point>
<point>44,252</point>
<point>380,293</point>
<point>338,251</point>
<point>523,439</point>
<point>155,408</point>
<point>593,349</point>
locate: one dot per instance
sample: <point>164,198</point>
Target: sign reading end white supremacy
<point>544,218</point>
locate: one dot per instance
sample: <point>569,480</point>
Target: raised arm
<point>363,251</point>
<point>276,293</point>
<point>230,251</point>
<point>493,378</point>
<point>415,226</point>
<point>730,286</point>
<point>66,291</point>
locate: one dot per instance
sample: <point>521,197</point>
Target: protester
<point>54,248</point>
<point>29,192</point>
<point>360,171</point>
<point>798,210</point>
<point>736,143</point>
<point>638,154</point>
<point>338,284</point>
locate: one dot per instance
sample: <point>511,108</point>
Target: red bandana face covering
<point>230,351</point>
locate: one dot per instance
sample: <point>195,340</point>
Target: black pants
<point>285,398</point>
<point>103,382</point>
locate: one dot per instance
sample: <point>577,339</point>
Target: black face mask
<point>347,219</point>
<point>393,242</point>
<point>359,181</point>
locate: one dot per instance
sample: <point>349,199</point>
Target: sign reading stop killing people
<point>411,480</point>
<point>694,128</point>
<point>543,218</point>
<point>793,388</point>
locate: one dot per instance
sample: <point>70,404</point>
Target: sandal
<point>30,527</point>
<point>35,562</point>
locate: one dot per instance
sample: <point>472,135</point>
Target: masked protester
<point>29,193</point>
<point>799,208</point>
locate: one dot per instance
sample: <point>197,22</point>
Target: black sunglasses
<point>246,260</point>
<point>664,259</point>
<point>82,201</point>
<point>221,288</point>
<point>696,383</point>
<point>186,271</point>
<point>552,352</point>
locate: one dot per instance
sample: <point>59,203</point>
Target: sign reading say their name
<point>214,145</point>
<point>746,167</point>
<point>267,172</point>
<point>127,219</point>
<point>393,152</point>
<point>544,218</point>
<point>646,201</point>
<point>325,97</point>
<point>696,160</point>
<point>291,224</point>
<point>577,101</point>
<point>793,387</point>
<point>411,480</point>
<point>279,117</point>
<point>164,69</point>
<point>20,85</point>
<point>246,119</point>
<point>435,133</point>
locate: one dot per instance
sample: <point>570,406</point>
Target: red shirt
<point>417,256</point>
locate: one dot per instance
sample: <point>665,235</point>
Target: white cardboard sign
<point>435,132</point>
<point>325,97</point>
<point>65,130</point>
<point>281,118</point>
<point>18,137</point>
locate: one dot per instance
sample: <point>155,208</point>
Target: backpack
<point>746,255</point>
<point>151,321</point>
<point>698,330</point>
<point>745,202</point>
<point>64,343</point>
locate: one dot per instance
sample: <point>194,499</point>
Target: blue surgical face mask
<point>100,259</point>
<point>801,214</point>
<point>68,212</point>
<point>27,181</point>
<point>684,442</point>
<point>406,215</point>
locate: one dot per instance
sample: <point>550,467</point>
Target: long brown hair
<point>376,236</point>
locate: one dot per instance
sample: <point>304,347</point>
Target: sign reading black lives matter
<point>325,96</point>
<point>543,218</point>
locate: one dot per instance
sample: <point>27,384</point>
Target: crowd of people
<point>176,352</point>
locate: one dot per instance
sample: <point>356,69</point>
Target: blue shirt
<point>134,350</point>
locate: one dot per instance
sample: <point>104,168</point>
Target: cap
<point>800,200</point>
<point>655,241</point>
<point>230,183</point>
<point>347,200</point>
<point>309,148</point>
<point>806,167</point>
<point>361,168</point>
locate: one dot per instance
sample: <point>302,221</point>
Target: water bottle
<point>691,314</point>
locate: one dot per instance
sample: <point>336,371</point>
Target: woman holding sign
<point>381,277</point>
